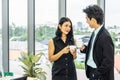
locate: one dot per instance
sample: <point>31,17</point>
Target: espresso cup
<point>72,47</point>
<point>79,43</point>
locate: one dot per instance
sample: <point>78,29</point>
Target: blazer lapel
<point>99,33</point>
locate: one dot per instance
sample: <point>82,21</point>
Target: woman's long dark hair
<point>61,22</point>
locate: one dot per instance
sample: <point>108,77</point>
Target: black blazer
<point>103,55</point>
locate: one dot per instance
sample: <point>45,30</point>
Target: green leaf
<point>30,65</point>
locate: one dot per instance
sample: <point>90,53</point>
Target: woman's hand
<point>73,52</point>
<point>66,50</point>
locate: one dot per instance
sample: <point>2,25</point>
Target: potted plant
<point>31,66</point>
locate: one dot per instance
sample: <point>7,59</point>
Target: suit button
<point>66,64</point>
<point>66,58</point>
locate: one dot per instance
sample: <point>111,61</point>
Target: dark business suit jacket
<point>103,55</point>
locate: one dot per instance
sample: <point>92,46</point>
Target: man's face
<point>89,21</point>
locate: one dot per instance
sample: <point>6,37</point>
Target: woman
<point>58,48</point>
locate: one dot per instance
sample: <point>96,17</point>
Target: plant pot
<point>31,78</point>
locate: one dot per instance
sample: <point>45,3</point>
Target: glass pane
<point>17,33</point>
<point>112,22</point>
<point>46,18</point>
<point>0,35</point>
<point>81,30</point>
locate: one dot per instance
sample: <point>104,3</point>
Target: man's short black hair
<point>94,11</point>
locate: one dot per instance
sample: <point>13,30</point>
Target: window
<point>17,33</point>
<point>81,29</point>
<point>112,23</point>
<point>77,16</point>
<point>0,35</point>
<point>46,19</point>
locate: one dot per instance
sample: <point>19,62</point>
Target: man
<point>99,61</point>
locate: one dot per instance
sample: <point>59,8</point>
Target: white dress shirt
<point>90,60</point>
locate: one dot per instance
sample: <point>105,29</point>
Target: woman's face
<point>65,27</point>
